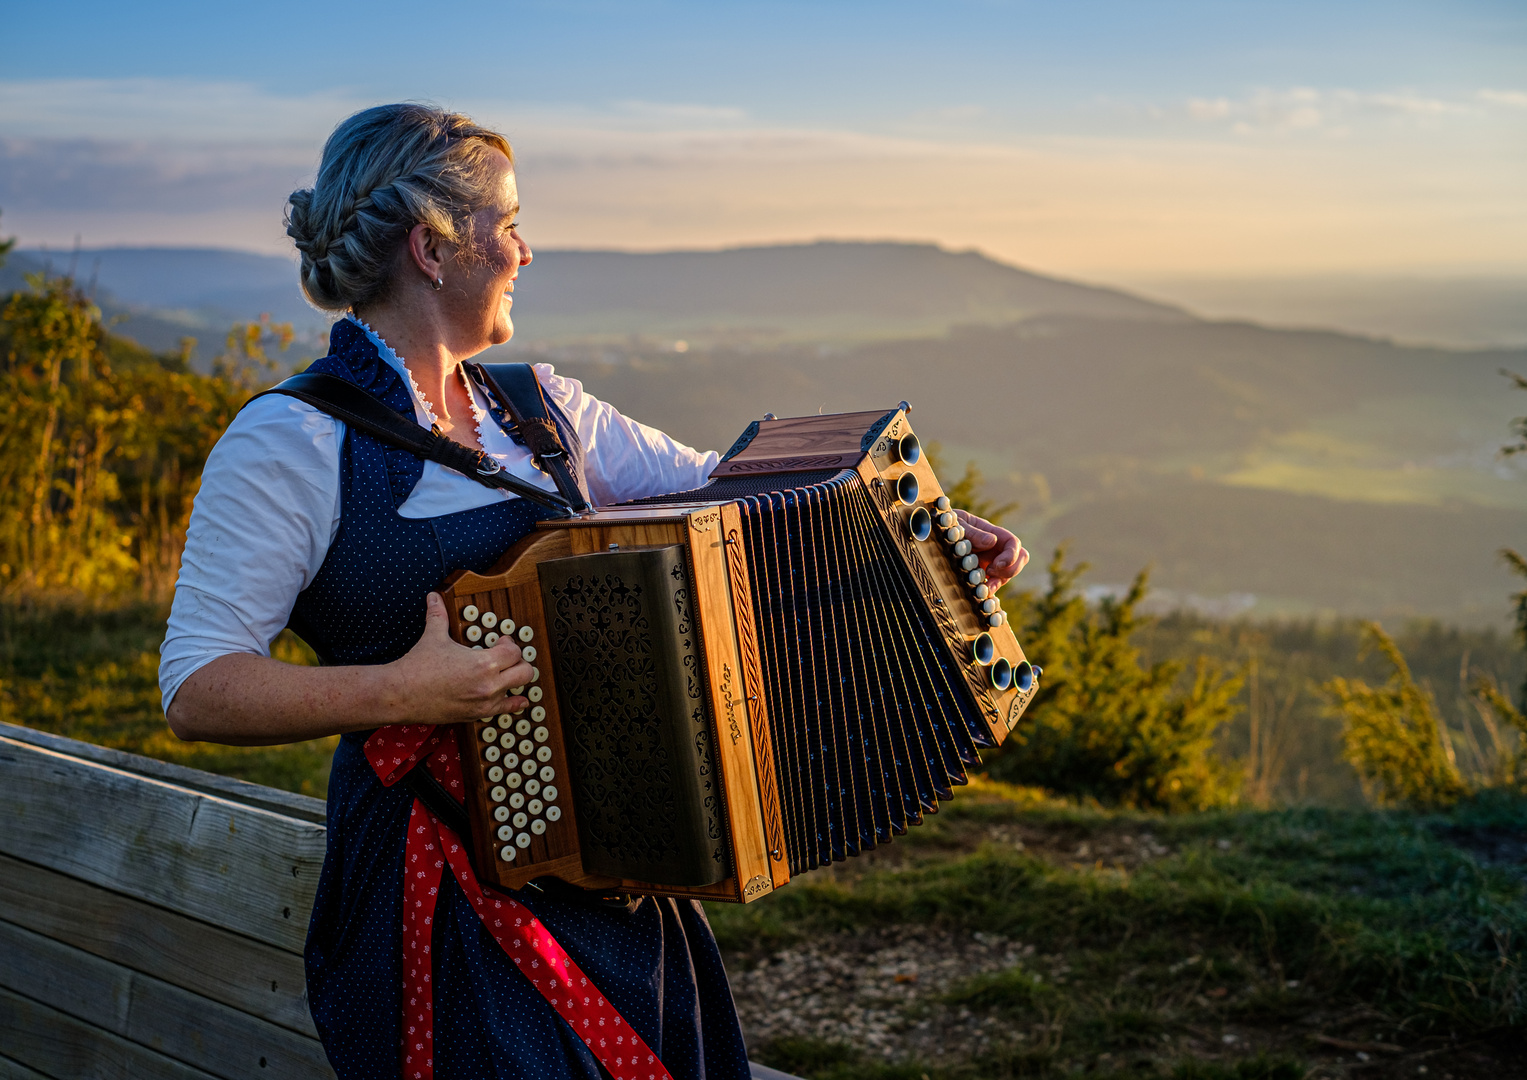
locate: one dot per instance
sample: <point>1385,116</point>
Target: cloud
<point>1307,109</point>
<point>215,168</point>
<point>1513,99</point>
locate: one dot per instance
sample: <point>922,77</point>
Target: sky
<point>1103,139</point>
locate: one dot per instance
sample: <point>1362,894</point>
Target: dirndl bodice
<point>656,960</point>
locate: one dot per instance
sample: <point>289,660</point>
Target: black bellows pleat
<point>871,723</point>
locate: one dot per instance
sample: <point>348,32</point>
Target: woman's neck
<point>428,354</point>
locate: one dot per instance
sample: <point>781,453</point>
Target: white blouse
<point>268,507</point>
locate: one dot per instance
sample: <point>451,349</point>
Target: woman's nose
<point>525,254</point>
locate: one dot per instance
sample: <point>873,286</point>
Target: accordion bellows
<point>740,683</point>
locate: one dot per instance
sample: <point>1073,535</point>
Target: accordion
<point>732,685</point>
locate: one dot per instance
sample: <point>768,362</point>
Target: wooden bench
<point>152,919</point>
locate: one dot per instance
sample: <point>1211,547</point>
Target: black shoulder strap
<point>518,389</point>
<point>345,401</point>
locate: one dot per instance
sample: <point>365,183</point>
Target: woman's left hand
<point>1001,553</point>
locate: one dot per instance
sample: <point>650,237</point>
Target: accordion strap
<point>345,401</point>
<point>516,387</point>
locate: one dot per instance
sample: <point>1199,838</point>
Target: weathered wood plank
<point>58,1045</point>
<point>304,807</point>
<point>248,975</point>
<point>15,1070</point>
<point>240,867</point>
<point>152,1013</point>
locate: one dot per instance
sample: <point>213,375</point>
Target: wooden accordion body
<point>739,683</point>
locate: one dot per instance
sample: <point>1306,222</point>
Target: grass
<point>1250,937</point>
<point>1128,944</point>
<point>92,673</point>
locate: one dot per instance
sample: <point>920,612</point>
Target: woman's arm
<point>267,511</point>
<point>251,700</point>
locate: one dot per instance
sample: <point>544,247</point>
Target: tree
<point>1104,727</point>
<point>1519,425</point>
<point>5,248</point>
<point>1394,734</point>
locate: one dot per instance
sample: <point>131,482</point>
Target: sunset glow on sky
<point>1096,138</point>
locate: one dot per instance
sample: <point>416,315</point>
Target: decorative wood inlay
<point>758,713</point>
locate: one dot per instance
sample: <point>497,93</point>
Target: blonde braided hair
<point>385,170</point>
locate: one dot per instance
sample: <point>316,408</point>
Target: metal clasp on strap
<point>489,467</point>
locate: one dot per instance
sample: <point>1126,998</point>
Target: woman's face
<point>480,288</point>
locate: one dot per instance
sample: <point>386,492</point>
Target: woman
<point>410,232</point>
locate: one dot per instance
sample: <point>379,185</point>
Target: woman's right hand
<point>440,681</point>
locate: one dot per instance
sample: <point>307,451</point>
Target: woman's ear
<point>427,251</point>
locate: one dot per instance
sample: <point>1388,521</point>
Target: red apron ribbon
<point>525,940</point>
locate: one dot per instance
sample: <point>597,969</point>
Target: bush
<point>1104,727</point>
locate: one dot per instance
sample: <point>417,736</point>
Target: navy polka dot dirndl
<point>658,964</point>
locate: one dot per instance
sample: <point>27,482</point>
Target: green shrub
<point>1103,726</point>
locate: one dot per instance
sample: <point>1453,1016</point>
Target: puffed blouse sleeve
<point>624,459</point>
<point>263,520</point>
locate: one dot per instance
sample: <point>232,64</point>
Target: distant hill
<point>838,292</point>
<point>826,291</point>
<point>1318,472</point>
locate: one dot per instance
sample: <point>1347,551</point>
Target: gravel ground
<point>877,991</point>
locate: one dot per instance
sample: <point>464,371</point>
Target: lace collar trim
<point>391,357</point>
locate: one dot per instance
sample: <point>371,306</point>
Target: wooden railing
<point>152,919</point>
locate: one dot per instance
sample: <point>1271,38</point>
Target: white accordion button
<point>535,806</point>
<point>526,633</point>
<point>520,819</point>
<point>543,754</point>
<point>535,674</point>
<point>505,833</point>
<point>538,826</point>
<point>516,801</point>
<point>982,592</point>
<point>511,759</point>
<point>469,613</point>
<point>538,713</point>
<point>522,728</point>
<point>476,646</point>
<point>506,626</point>
<point>474,633</point>
<point>527,747</point>
<point>548,774</point>
<point>495,774</point>
<point>529,767</point>
<point>513,780</point>
<point>523,840</point>
<point>542,733</point>
<point>490,640</point>
<point>504,720</point>
<point>996,618</point>
<point>532,786</point>
<point>534,694</point>
<point>499,794</point>
<point>553,813</point>
<point>489,620</point>
<point>516,691</point>
<point>507,854</point>
<point>491,753</point>
<point>962,549</point>
<point>976,576</point>
<point>942,502</point>
<point>500,813</point>
<point>549,793</point>
<point>489,734</point>
<point>529,653</point>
